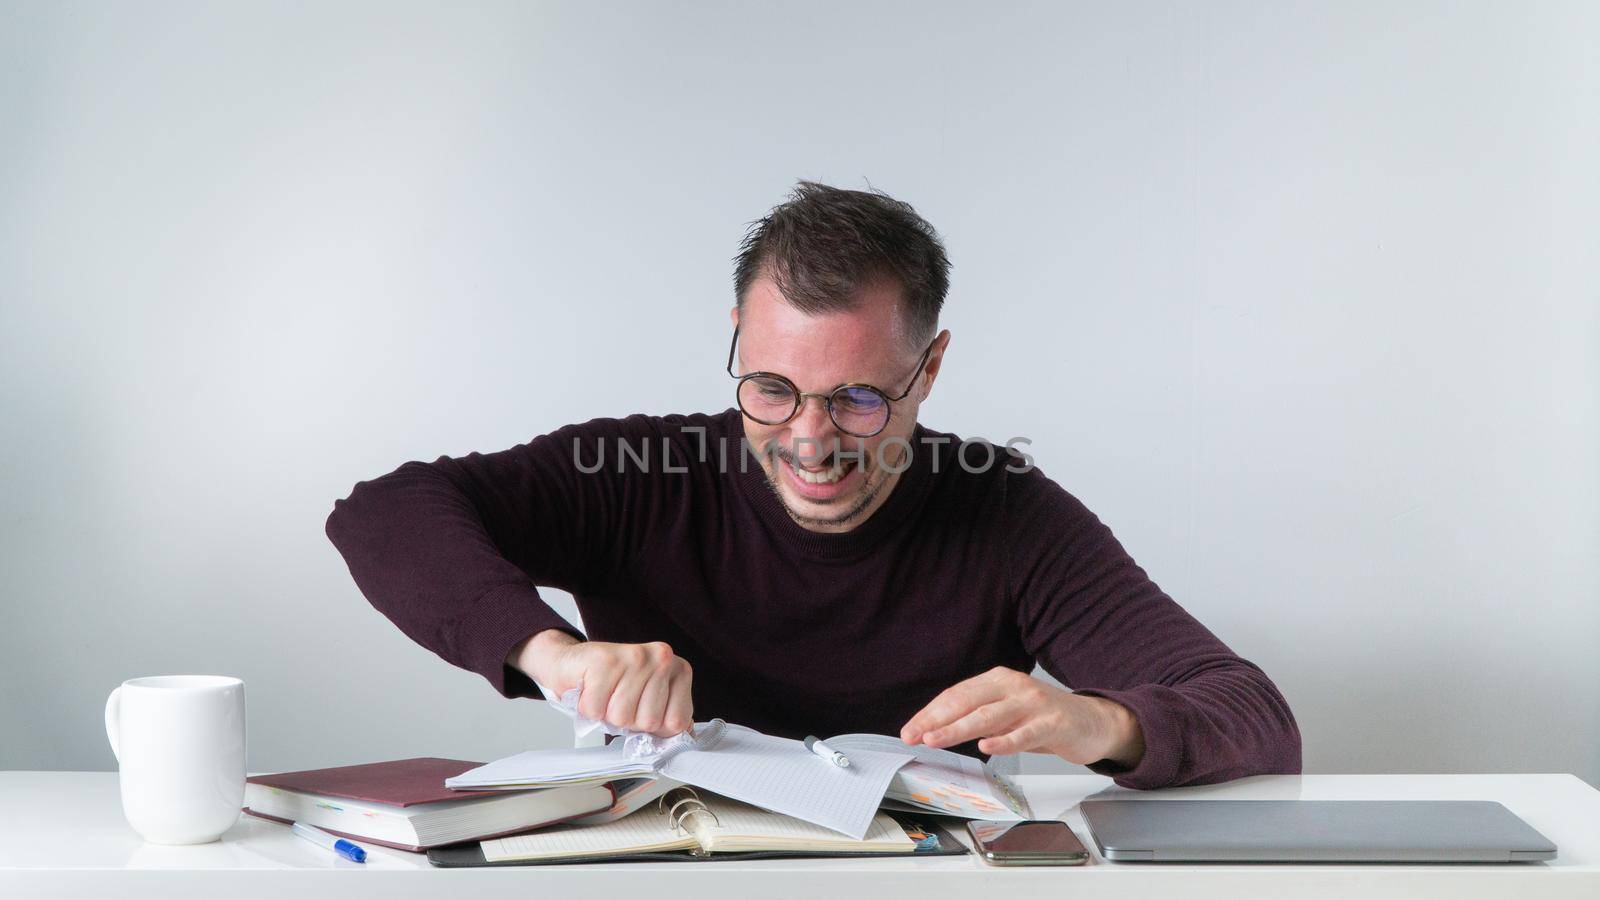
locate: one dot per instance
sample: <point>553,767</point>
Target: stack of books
<point>404,804</point>
<point>759,796</point>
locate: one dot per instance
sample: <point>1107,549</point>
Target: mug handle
<point>114,721</point>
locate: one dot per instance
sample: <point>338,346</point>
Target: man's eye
<point>857,401</point>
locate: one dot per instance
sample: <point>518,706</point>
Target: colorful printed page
<point>942,781</point>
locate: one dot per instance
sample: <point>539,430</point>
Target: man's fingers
<point>624,705</point>
<point>956,702</point>
<point>598,683</point>
<point>951,704</point>
<point>986,720</point>
<point>1024,738</point>
<point>652,711</point>
<point>680,706</point>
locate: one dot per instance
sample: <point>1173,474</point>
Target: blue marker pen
<point>339,845</point>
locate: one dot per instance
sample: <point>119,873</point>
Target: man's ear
<point>733,315</point>
<point>935,360</point>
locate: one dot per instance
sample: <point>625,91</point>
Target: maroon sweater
<point>794,632</point>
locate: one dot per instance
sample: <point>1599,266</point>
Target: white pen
<point>815,745</point>
<point>347,849</point>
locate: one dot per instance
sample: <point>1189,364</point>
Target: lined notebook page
<point>737,823</point>
<point>782,775</point>
<point>642,832</point>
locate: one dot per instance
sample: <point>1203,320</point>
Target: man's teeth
<point>826,476</point>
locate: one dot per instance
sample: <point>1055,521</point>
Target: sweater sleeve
<point>452,551</point>
<point>1094,620</point>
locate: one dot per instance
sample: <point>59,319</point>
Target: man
<point>813,560</point>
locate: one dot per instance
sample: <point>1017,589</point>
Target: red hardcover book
<point>396,803</point>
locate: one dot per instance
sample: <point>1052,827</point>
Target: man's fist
<point>640,687</point>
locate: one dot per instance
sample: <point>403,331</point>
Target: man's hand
<point>1015,713</point>
<point>641,687</point>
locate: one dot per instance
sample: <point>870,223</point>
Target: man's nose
<point>812,430</point>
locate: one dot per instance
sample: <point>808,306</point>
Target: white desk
<point>62,835</point>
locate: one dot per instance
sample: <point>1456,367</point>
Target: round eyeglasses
<point>859,410</point>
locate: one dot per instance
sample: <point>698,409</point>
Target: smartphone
<point>1035,842</point>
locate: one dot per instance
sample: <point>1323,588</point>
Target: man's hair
<point>824,244</point>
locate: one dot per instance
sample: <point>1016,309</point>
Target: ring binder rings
<point>692,805</point>
<point>689,801</point>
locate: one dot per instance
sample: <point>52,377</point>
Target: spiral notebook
<point>685,825</point>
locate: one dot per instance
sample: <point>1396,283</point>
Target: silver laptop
<point>1312,831</point>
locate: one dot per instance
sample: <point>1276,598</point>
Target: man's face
<point>822,490</point>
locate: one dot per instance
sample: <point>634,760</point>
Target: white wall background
<point>1303,300</point>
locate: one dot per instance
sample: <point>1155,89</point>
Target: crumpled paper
<point>635,744</point>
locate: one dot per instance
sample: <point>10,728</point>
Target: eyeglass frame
<point>827,399</point>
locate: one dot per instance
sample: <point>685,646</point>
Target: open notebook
<point>774,773</point>
<point>781,775</point>
<point>684,820</point>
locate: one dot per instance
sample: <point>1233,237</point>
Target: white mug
<point>179,743</point>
